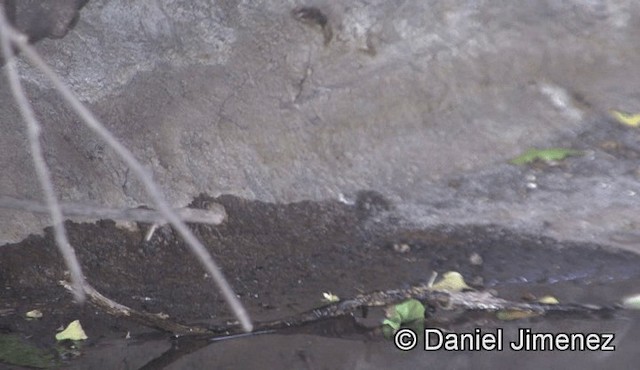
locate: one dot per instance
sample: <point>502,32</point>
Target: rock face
<point>243,98</point>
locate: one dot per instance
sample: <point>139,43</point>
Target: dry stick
<point>215,215</point>
<point>449,300</point>
<point>33,128</point>
<point>196,247</point>
<point>156,321</point>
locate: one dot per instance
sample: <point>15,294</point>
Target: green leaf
<point>547,155</point>
<point>16,352</point>
<point>408,311</point>
<point>388,331</point>
<point>393,324</point>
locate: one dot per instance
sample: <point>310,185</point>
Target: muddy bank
<point>279,259</point>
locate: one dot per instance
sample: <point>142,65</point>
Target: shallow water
<point>282,258</point>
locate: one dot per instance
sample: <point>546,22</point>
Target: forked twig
<point>19,41</point>
<point>42,171</point>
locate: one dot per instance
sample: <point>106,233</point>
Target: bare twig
<point>448,300</point>
<point>42,171</point>
<point>215,215</point>
<point>156,321</point>
<point>145,177</point>
<point>150,232</point>
<point>466,300</point>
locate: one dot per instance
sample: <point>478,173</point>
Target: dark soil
<point>279,259</point>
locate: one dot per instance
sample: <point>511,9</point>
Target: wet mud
<point>279,258</point>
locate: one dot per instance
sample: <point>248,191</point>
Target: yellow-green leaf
<point>548,299</point>
<point>73,332</point>
<point>547,155</point>
<point>627,119</point>
<point>451,281</point>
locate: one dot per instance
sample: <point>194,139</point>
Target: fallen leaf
<point>72,332</point>
<point>548,300</point>
<point>408,311</point>
<point>451,281</point>
<point>330,297</point>
<point>34,314</point>
<point>547,155</point>
<point>627,119</point>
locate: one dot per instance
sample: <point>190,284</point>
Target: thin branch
<point>39,163</point>
<point>466,300</point>
<point>156,321</point>
<point>215,215</point>
<point>145,177</point>
<point>440,299</point>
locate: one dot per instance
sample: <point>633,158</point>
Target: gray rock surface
<point>424,102</point>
